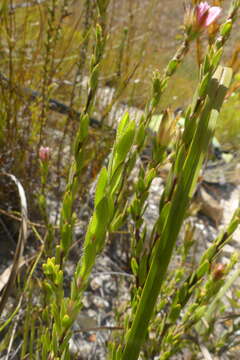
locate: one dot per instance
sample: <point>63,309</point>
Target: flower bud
<point>167,128</point>
<point>218,271</point>
<point>44,153</point>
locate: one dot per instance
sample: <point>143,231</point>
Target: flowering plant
<point>206,14</point>
<point>199,18</point>
<point>44,153</point>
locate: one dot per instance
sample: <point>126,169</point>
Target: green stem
<point>178,207</point>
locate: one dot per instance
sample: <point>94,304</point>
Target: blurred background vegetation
<point>142,37</point>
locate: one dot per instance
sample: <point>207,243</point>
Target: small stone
<point>100,302</point>
<point>86,302</point>
<point>96,283</point>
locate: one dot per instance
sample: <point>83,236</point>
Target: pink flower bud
<point>218,271</point>
<point>206,14</point>
<point>44,153</point>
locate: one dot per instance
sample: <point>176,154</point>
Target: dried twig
<point>14,216</point>
<point>205,352</point>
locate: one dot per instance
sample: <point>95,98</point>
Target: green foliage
<point>45,50</point>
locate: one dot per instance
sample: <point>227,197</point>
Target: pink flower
<point>206,14</point>
<point>44,153</point>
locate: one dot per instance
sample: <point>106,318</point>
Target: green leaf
<point>66,321</point>
<point>182,293</point>
<point>134,266</point>
<point>98,225</point>
<point>172,65</point>
<point>110,206</point>
<point>204,85</point>
<point>122,146</point>
<point>143,268</point>
<point>119,353</point>
<point>101,186</point>
<point>55,336</point>
<point>125,141</point>
<point>181,156</point>
<point>84,125</point>
<point>233,226</point>
<point>67,206</point>
<point>217,57</point>
<point>90,252</point>
<point>151,174</point>
<point>140,135</point>
<point>56,315</point>
<point>226,28</point>
<point>140,185</point>
<point>208,254</point>
<point>199,313</point>
<point>163,217</point>
<point>115,179</point>
<point>206,66</point>
<point>66,237</point>
<point>203,269</point>
<point>174,313</point>
<point>118,221</point>
<point>122,125</point>
<point>99,220</point>
<point>158,86</point>
<point>94,77</point>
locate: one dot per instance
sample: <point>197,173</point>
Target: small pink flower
<point>44,153</point>
<point>206,14</point>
